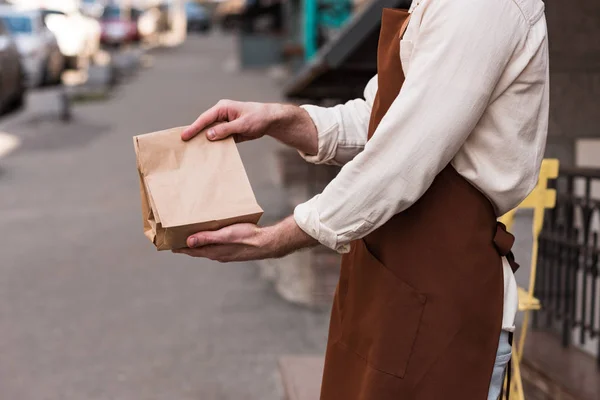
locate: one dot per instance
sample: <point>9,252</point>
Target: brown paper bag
<point>193,186</point>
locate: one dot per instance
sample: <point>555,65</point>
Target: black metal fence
<point>567,282</point>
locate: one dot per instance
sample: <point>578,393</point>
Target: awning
<point>342,67</point>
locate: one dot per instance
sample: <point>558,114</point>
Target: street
<point>88,308</point>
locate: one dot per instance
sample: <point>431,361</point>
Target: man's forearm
<point>293,126</point>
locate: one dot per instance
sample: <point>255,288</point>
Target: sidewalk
<point>88,309</point>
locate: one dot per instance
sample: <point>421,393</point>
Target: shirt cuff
<point>327,130</point>
<point>307,218</point>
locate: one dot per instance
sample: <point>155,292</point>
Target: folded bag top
<point>191,186</point>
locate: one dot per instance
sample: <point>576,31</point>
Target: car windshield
<point>111,12</point>
<point>17,24</point>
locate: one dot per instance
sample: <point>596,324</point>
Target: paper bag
<point>192,186</point>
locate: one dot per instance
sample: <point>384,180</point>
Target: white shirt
<point>475,96</point>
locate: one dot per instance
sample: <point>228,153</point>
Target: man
<point>450,135</point>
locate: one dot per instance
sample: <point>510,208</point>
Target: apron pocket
<point>381,315</point>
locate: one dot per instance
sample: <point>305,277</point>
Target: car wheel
<point>19,100</point>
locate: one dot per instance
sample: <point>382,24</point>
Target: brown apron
<point>418,309</point>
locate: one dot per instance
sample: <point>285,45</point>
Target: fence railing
<point>568,282</point>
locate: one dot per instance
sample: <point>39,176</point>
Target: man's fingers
<point>221,131</point>
<point>200,252</point>
<point>219,112</point>
<point>221,253</point>
<point>205,119</point>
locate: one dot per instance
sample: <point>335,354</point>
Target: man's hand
<point>247,121</point>
<point>243,242</point>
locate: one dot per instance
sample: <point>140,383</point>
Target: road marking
<point>8,143</point>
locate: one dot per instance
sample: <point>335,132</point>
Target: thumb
<point>223,130</point>
<point>201,239</point>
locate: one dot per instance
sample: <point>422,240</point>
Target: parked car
<point>78,35</point>
<point>12,75</point>
<point>118,27</point>
<point>198,17</point>
<point>38,47</point>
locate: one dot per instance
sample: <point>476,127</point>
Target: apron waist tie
<point>504,240</point>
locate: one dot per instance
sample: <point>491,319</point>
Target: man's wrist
<point>282,117</point>
<point>286,237</point>
<point>293,126</point>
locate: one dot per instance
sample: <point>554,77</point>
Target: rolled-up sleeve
<point>460,53</point>
<point>342,129</point>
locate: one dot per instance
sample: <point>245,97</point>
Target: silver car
<point>42,59</point>
<point>12,77</point>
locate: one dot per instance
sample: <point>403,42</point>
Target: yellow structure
<point>540,199</point>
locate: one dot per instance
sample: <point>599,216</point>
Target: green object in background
<point>310,28</point>
<point>321,15</point>
<point>334,13</point>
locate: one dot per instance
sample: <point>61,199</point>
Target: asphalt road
<point>88,308</point>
